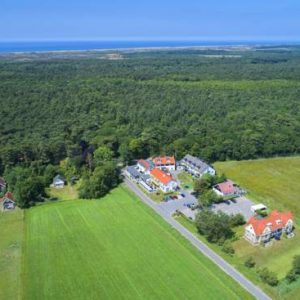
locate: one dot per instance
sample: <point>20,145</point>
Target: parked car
<point>182,195</point>
<point>193,206</point>
<point>175,197</point>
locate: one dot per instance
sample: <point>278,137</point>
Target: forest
<point>215,104</point>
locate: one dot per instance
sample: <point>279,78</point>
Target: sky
<point>39,20</point>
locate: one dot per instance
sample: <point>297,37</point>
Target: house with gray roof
<point>132,173</point>
<point>58,182</point>
<point>196,166</point>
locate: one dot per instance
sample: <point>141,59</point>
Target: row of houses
<point>160,168</point>
<point>196,166</point>
<point>154,173</point>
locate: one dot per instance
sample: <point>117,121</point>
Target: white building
<point>165,162</point>
<point>196,166</point>
<point>262,230</point>
<point>58,182</point>
<point>163,181</point>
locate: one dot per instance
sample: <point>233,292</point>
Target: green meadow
<point>11,237</point>
<point>114,248</point>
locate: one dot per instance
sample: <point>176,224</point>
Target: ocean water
<point>92,45</point>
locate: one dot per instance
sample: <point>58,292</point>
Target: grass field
<point>67,193</point>
<point>11,224</point>
<point>186,180</point>
<point>114,248</point>
<point>275,182</point>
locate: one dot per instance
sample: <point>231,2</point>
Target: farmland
<point>114,248</point>
<point>11,225</point>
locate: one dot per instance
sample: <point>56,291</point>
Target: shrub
<point>214,226</point>
<point>237,220</point>
<point>227,248</point>
<point>250,263</point>
<point>291,276</point>
<point>268,277</point>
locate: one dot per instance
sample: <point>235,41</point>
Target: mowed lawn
<point>11,235</point>
<point>114,248</point>
<point>275,182</point>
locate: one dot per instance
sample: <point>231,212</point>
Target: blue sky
<point>149,20</point>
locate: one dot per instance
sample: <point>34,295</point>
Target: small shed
<point>7,202</point>
<point>58,182</point>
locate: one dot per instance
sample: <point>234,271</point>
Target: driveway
<point>163,211</point>
<point>242,205</point>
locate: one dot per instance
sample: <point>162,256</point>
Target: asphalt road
<point>227,268</point>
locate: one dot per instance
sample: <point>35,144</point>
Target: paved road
<point>227,268</point>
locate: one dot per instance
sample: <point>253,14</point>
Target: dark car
<point>175,197</point>
<point>182,195</point>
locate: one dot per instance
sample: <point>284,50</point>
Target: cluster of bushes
<point>265,274</point>
<point>203,189</point>
<point>217,227</point>
<point>268,277</point>
<point>294,273</point>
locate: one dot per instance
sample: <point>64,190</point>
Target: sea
<point>48,46</point>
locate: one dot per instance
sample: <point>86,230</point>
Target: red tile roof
<point>161,176</point>
<point>226,187</point>
<point>164,160</point>
<point>275,220</point>
<point>144,163</point>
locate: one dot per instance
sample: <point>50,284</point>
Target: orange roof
<point>275,220</point>
<point>161,176</point>
<point>164,160</point>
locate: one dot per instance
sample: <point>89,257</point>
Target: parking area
<point>240,205</point>
<point>173,205</point>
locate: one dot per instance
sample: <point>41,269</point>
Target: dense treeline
<point>215,104</point>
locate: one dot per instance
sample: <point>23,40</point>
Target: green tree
<point>29,191</point>
<point>49,174</point>
<point>201,185</point>
<point>100,181</point>
<point>268,277</point>
<point>250,262</point>
<point>237,220</point>
<point>214,226</point>
<point>103,154</point>
<point>208,198</point>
